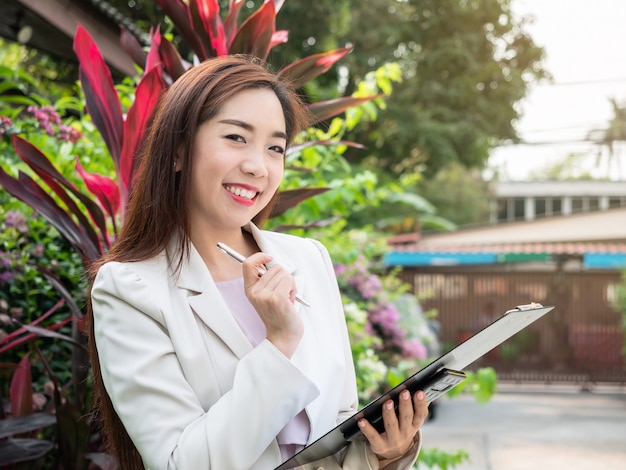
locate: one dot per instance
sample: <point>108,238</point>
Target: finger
<point>420,408</point>
<point>390,420</point>
<point>253,266</point>
<point>405,410</point>
<point>375,440</point>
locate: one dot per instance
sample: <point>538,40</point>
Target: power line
<point>552,142</point>
<point>582,82</point>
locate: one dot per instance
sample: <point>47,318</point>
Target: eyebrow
<point>250,127</point>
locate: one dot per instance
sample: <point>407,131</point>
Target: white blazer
<point>189,387</point>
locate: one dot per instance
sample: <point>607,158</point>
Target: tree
<point>466,65</point>
<point>460,195</point>
<point>611,140</point>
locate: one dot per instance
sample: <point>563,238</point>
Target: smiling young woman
<point>198,361</point>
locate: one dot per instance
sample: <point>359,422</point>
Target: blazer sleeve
<point>156,404</point>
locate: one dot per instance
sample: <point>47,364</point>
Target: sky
<point>585,43</point>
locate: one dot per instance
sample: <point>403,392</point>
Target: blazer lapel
<point>206,301</point>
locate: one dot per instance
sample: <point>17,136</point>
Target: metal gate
<point>580,341</point>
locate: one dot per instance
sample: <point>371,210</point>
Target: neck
<point>221,266</point>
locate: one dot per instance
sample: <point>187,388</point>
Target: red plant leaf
<point>172,60</point>
<point>132,47</point>
<point>307,68</point>
<point>154,57</point>
<point>50,333</point>
<point>202,33</point>
<point>178,12</point>
<point>292,197</point>
<point>323,110</point>
<point>54,280</point>
<point>16,333</point>
<point>44,168</point>
<point>104,188</point>
<point>327,143</point>
<point>316,224</point>
<point>208,24</point>
<point>29,192</point>
<point>147,95</point>
<point>22,389</point>
<point>103,103</point>
<point>230,23</point>
<point>32,336</point>
<point>255,34</point>
<point>278,4</point>
<point>279,37</point>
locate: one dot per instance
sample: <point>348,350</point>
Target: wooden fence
<point>580,341</point>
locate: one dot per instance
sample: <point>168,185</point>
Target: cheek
<point>276,170</point>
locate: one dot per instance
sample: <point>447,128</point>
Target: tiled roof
<point>547,248</point>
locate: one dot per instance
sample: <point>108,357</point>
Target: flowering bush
<point>47,119</point>
<point>375,294</point>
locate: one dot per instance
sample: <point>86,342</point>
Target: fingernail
<point>361,423</point>
<point>389,405</point>
<point>420,395</point>
<point>405,395</point>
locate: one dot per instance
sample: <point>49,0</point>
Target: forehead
<point>253,101</point>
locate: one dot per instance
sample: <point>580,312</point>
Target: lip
<point>242,200</point>
<point>244,186</point>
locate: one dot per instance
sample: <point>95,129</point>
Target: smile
<point>241,192</point>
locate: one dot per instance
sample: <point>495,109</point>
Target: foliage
<point>357,196</point>
<point>443,460</point>
<point>465,65</point>
<point>34,71</point>
<point>460,195</point>
<point>610,141</point>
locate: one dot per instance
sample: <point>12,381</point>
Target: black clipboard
<point>435,379</point>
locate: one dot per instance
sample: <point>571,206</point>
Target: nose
<point>254,163</point>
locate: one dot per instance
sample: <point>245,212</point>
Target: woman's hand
<point>273,295</point>
<point>400,430</point>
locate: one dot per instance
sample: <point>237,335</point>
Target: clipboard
<point>437,378</point>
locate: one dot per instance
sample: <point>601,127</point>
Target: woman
<point>200,362</point>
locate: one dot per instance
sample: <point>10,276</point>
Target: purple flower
<point>5,125</point>
<point>5,277</point>
<point>68,134</point>
<point>15,219</point>
<point>414,348</point>
<point>340,269</point>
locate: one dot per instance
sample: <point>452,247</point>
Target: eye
<point>277,149</point>
<point>235,138</point>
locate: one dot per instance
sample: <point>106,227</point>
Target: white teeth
<point>245,193</point>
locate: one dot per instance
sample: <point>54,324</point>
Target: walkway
<point>534,428</point>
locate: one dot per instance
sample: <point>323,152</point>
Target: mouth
<point>240,192</point>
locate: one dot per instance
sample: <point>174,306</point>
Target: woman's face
<point>238,161</point>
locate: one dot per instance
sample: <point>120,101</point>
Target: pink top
<point>294,436</point>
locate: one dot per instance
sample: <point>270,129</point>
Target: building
<point>528,200</point>
<point>570,255</point>
<point>50,26</point>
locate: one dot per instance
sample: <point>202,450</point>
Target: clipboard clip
<point>523,308</point>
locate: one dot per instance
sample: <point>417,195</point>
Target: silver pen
<point>240,259</point>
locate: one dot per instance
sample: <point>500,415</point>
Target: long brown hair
<point>157,208</point>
